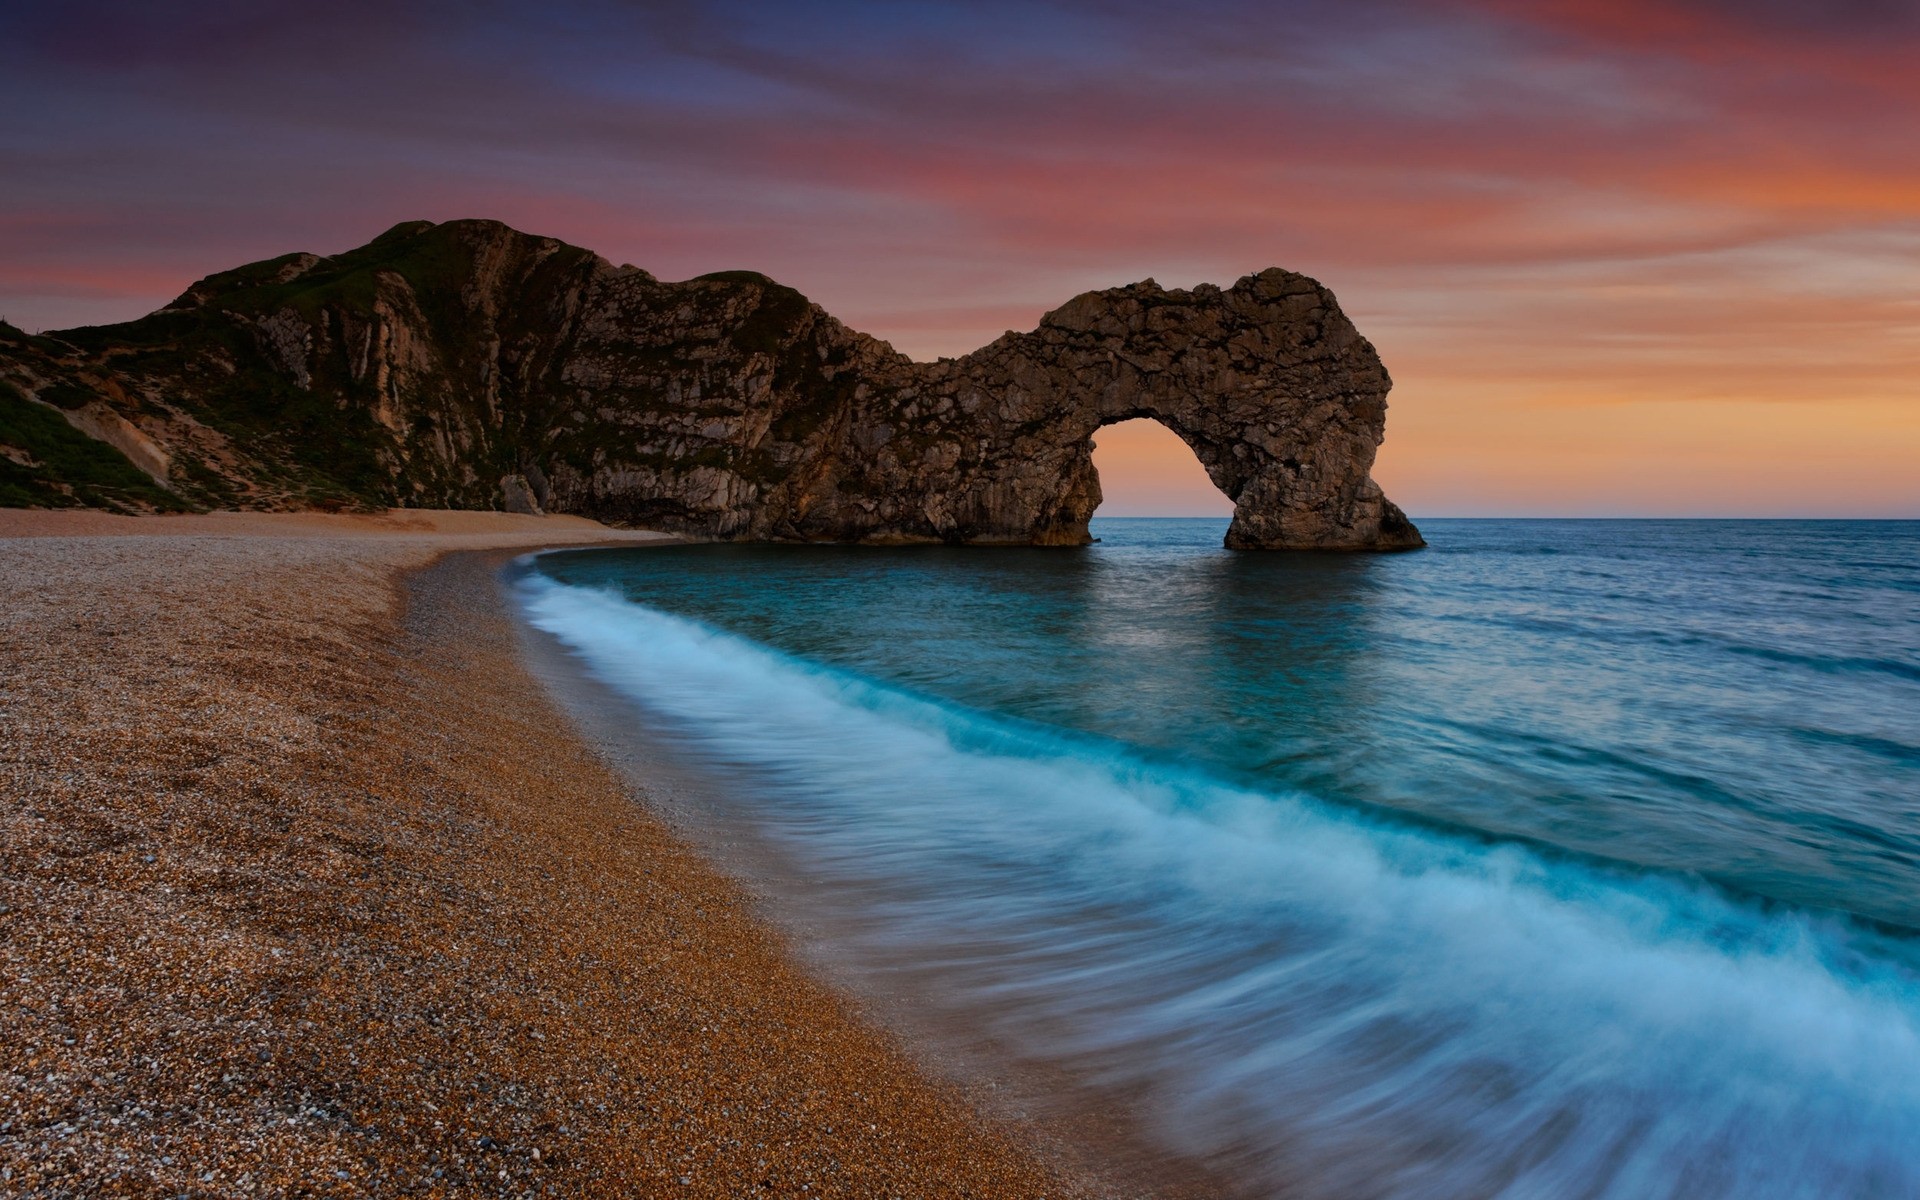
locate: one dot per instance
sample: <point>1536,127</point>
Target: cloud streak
<point>1534,208</point>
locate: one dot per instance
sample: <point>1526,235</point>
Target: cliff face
<point>467,365</point>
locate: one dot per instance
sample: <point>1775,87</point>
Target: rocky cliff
<point>467,365</point>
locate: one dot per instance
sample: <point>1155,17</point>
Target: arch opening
<point>1147,470</point>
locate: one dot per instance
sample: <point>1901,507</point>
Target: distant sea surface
<point>1561,859</point>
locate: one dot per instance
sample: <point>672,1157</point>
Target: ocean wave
<point>1312,996</point>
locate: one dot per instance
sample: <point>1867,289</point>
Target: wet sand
<point>307,889</point>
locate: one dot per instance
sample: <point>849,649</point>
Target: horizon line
<point>1097,516</point>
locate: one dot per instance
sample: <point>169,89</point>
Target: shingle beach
<point>306,889</point>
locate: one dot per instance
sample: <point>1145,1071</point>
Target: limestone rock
<point>469,365</point>
<point>516,496</point>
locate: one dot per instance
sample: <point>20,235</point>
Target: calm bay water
<point>1562,858</point>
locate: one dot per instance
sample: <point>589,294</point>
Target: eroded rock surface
<point>439,360</point>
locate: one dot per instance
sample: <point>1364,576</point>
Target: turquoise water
<point>1562,858</point>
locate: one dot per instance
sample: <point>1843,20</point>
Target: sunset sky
<point>1621,257</point>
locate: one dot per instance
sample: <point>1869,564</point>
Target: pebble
<point>383,880</point>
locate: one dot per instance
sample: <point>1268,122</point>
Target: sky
<point>1622,257</point>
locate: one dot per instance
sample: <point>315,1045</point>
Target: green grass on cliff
<point>67,395</point>
<point>47,463</point>
<point>319,445</point>
<point>437,262</point>
<point>302,441</point>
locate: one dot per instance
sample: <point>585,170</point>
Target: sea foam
<point>1307,995</point>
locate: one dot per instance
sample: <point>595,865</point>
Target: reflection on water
<point>1142,810</point>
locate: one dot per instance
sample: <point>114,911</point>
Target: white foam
<point>1311,994</point>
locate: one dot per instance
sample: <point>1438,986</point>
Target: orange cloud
<point>1632,218</point>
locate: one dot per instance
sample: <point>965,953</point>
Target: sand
<point>307,889</point>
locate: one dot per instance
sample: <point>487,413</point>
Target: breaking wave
<point>1314,997</point>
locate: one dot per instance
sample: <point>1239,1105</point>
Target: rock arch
<point>1279,397</point>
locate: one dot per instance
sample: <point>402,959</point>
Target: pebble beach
<point>306,889</point>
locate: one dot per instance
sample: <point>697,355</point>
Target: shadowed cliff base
<point>468,365</point>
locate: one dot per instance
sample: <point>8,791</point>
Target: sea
<point>1559,859</point>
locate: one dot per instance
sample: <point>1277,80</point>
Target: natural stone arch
<point>843,439</point>
<point>1276,393</point>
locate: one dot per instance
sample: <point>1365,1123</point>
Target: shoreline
<point>310,887</point>
<point>1099,1134</point>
